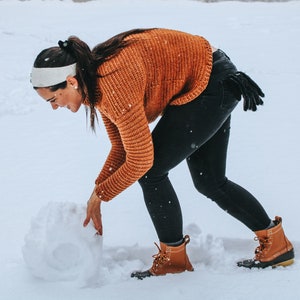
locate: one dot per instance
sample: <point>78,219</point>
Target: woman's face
<point>68,97</point>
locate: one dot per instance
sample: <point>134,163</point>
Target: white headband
<point>44,77</point>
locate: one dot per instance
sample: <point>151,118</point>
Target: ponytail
<point>113,46</point>
<point>86,70</point>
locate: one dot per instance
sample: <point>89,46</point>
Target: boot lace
<point>263,248</point>
<point>160,258</point>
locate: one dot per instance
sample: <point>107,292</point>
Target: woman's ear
<point>72,81</point>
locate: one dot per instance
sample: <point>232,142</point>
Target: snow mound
<point>58,248</point>
<point>205,250</point>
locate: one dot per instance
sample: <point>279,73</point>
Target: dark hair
<point>113,46</point>
<point>87,62</point>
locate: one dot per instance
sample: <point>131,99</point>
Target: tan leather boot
<point>274,248</point>
<point>169,259</point>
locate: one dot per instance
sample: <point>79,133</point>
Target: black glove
<point>241,84</point>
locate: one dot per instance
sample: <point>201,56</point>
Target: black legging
<point>198,132</point>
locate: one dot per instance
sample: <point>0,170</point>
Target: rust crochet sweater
<point>162,67</point>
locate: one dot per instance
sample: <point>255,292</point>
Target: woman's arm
<point>133,131</point>
<point>116,156</point>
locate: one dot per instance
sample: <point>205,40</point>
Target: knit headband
<point>45,77</point>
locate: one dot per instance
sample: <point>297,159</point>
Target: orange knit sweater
<point>162,67</point>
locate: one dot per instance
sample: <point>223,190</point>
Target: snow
<point>49,160</point>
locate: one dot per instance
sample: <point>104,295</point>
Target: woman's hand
<point>93,212</point>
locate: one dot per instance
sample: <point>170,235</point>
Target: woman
<point>136,77</point>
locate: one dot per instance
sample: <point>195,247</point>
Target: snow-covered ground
<point>49,160</point>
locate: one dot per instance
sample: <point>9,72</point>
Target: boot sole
<point>284,263</point>
<point>141,274</point>
<point>144,274</point>
<point>283,260</point>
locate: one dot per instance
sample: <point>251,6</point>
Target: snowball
<point>58,248</point>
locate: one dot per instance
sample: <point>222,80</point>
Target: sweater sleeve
<point>117,153</point>
<point>129,161</point>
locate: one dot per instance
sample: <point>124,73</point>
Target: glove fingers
<point>242,85</point>
<point>252,84</point>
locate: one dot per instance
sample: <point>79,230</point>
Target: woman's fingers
<point>86,221</point>
<point>93,212</point>
<point>96,217</point>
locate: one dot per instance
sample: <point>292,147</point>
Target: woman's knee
<point>152,178</point>
<point>209,187</point>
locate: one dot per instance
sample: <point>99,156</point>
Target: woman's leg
<point>199,132</point>
<point>207,166</point>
